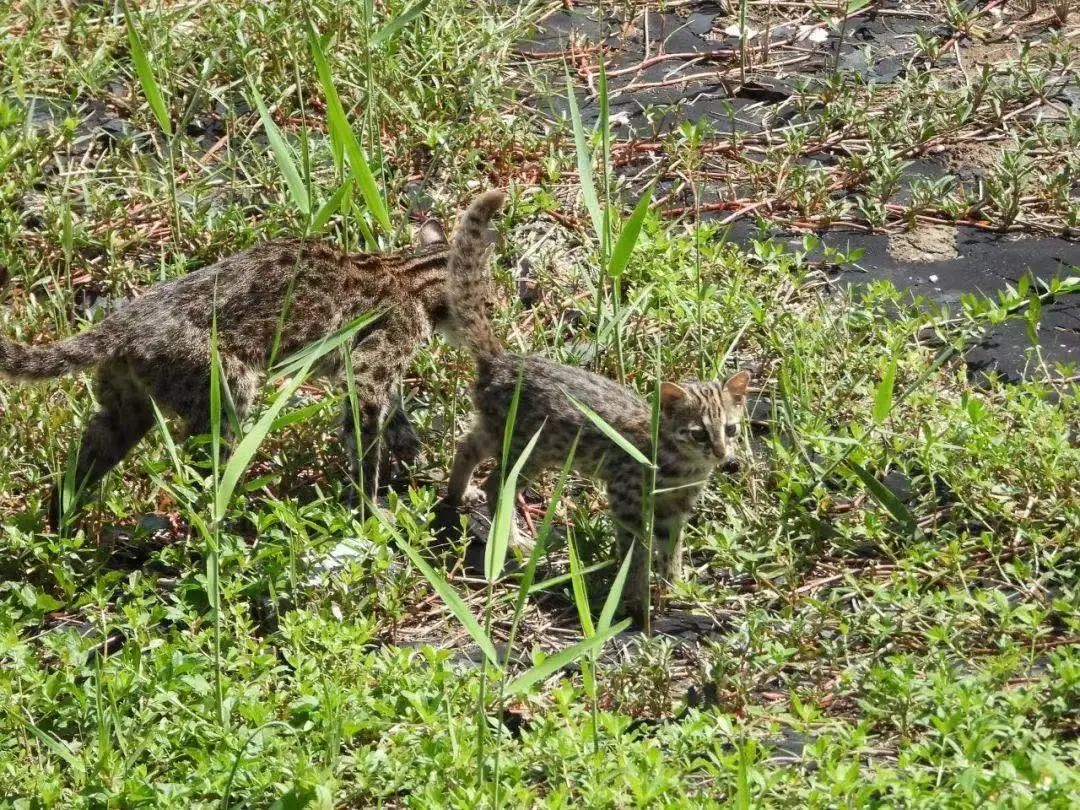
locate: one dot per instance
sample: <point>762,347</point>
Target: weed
<point>881,606</point>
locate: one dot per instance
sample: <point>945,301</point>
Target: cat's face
<point>702,419</point>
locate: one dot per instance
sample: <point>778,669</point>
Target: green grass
<point>886,598</point>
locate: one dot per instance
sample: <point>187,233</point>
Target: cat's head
<point>701,419</point>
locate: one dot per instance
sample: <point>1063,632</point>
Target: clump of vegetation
<point>880,609</point>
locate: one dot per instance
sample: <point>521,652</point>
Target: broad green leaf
<point>247,447</point>
<point>624,246</point>
<point>584,161</point>
<point>399,22</point>
<point>298,360</point>
<point>581,594</point>
<point>502,525</point>
<point>331,206</point>
<point>609,431</point>
<point>883,396</point>
<point>615,594</point>
<point>283,155</point>
<point>146,75</point>
<point>880,493</point>
<point>448,594</point>
<point>342,133</point>
<point>554,663</point>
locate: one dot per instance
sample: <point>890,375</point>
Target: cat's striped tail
<point>52,359</point>
<point>470,288</point>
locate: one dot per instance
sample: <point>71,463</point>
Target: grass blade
<point>584,161</point>
<point>742,781</point>
<point>581,594</point>
<point>554,663</point>
<point>331,206</point>
<point>604,125</point>
<point>302,414</point>
<point>240,754</point>
<point>146,75</point>
<point>54,744</point>
<point>245,450</point>
<point>620,254</point>
<point>342,133</point>
<point>447,593</point>
<point>502,525</point>
<point>559,579</point>
<point>298,367</point>
<point>298,360</point>
<point>400,21</point>
<point>166,436</point>
<point>609,431</point>
<point>283,156</point>
<point>615,594</point>
<point>880,493</point>
<point>883,396</point>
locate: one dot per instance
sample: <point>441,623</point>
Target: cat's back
<point>248,274</point>
<point>545,386</point>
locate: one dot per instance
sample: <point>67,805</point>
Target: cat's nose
<point>731,465</point>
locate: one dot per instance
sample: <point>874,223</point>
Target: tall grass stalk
<point>649,477</point>
<point>743,4</point>
<point>383,37</point>
<point>225,479</point>
<point>213,537</point>
<point>614,257</point>
<point>344,141</point>
<point>502,526</point>
<point>156,99</point>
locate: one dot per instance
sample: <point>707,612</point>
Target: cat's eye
<point>699,434</point>
<point>731,431</point>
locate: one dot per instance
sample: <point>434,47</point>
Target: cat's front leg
<point>669,551</point>
<point>636,594</point>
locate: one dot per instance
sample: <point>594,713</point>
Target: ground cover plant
<point>880,609</point>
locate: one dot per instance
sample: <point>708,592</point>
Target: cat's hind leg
<point>471,450</point>
<point>123,418</point>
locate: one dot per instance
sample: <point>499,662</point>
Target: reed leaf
<point>584,162</point>
<point>387,32</point>
<point>145,73</point>
<point>503,524</point>
<point>284,157</point>
<point>609,431</point>
<point>624,246</point>
<point>342,134</point>
<point>552,664</point>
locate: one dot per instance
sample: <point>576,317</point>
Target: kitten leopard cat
<point>698,431</point>
<point>158,346</point>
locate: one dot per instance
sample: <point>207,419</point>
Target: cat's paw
<point>403,443</point>
<point>522,541</point>
<point>472,496</point>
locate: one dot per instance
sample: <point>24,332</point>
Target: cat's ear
<point>735,386</point>
<point>671,394</point>
<point>431,233</point>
